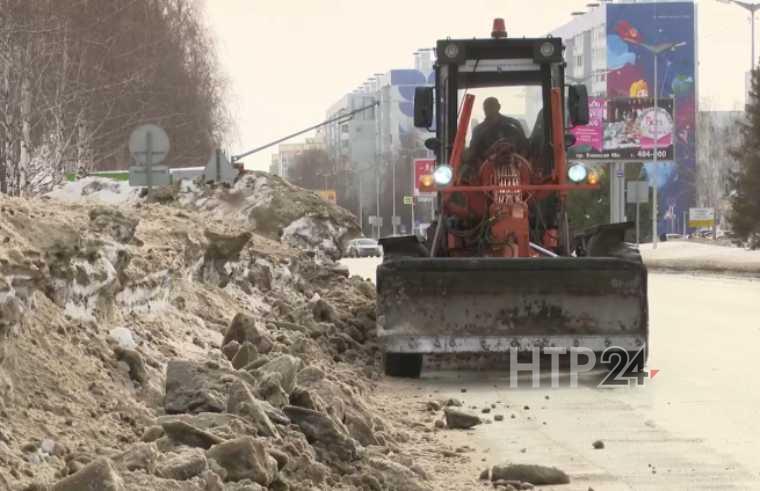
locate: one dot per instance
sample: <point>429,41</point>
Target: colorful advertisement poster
<point>629,131</point>
<point>634,33</point>
<point>625,129</point>
<point>592,134</point>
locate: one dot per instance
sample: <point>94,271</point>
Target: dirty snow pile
<point>257,201</point>
<point>279,210</point>
<point>183,346</point>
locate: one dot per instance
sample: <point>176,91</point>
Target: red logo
<point>627,32</point>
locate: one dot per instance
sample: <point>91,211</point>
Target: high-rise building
<point>287,153</point>
<point>609,49</point>
<point>376,145</point>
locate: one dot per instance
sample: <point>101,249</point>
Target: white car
<point>364,247</point>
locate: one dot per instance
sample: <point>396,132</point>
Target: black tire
<point>406,365</point>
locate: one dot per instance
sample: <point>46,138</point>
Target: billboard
<point>633,31</point>
<point>625,129</point>
<point>701,217</point>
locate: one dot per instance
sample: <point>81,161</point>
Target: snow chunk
<point>313,233</point>
<point>96,189</point>
<point>123,337</point>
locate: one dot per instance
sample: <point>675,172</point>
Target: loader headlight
<point>546,49</point>
<point>451,50</point>
<point>443,175</point>
<point>577,173</point>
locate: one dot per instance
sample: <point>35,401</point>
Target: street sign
<point>376,221</point>
<point>408,200</point>
<point>328,195</point>
<point>396,220</point>
<point>149,145</point>
<point>637,192</point>
<point>421,167</point>
<point>159,176</point>
<point>701,217</point>
<point>149,140</point>
<point>219,168</point>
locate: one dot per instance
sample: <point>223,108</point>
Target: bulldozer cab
<point>525,70</point>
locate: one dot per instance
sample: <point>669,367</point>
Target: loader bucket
<point>459,305</point>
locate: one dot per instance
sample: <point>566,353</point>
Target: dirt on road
<point>694,424</point>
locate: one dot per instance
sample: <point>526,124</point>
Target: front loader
<point>500,270</point>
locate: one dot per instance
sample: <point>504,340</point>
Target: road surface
<point>695,425</point>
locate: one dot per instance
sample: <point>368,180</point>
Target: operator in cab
<point>493,128</point>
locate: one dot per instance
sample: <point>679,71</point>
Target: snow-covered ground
<point>96,189</point>
<point>694,256</point>
<point>674,255</point>
<point>362,266</point>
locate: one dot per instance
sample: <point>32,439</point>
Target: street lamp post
<point>377,201</point>
<point>361,208</point>
<point>752,8</point>
<point>393,212</point>
<point>656,51</point>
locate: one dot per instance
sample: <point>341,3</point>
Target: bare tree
<point>78,75</point>
<point>313,169</point>
<point>716,137</point>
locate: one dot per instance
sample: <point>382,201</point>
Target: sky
<point>287,61</point>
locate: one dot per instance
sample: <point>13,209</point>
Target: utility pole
<point>617,192</point>
<point>656,51</point>
<point>654,166</point>
<point>377,200</point>
<point>378,98</point>
<point>393,186</point>
<point>638,198</point>
<point>361,210</point>
<point>413,200</point>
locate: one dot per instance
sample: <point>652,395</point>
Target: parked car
<point>364,247</point>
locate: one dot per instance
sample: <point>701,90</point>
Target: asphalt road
<point>695,425</point>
